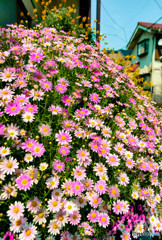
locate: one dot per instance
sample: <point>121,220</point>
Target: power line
<point>123,29</point>
<point>158,4</point>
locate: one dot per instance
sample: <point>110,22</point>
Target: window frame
<point>146,47</point>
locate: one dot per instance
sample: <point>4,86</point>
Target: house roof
<point>150,25</point>
<point>141,27</point>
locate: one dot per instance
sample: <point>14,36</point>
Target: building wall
<point>150,66</point>
<point>8,12</point>
<point>145,61</point>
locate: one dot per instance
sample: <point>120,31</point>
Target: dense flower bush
<point>80,147</point>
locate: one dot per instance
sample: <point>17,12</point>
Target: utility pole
<point>98,18</point>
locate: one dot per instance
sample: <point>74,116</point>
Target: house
<point>11,10</point>
<point>146,45</point>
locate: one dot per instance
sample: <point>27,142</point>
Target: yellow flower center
<point>30,108</point>
<point>16,210</point>
<point>82,154</point>
<point>9,165</point>
<point>4,151</point>
<point>18,222</point>
<point>20,82</point>
<point>118,206</point>
<point>95,200</point>
<point>79,173</point>
<point>61,217</point>
<point>69,207</point>
<point>28,232</point>
<point>113,191</point>
<point>40,215</point>
<point>24,182</point>
<point>93,215</point>
<point>54,204</point>
<point>46,85</point>
<point>45,129</point>
<point>52,182</point>
<point>77,187</point>
<point>13,108</point>
<point>103,219</point>
<point>68,187</point>
<point>63,137</point>
<point>29,144</point>
<point>8,75</point>
<point>34,204</point>
<point>9,190</point>
<point>100,186</point>
<point>100,169</point>
<point>55,226</point>
<point>4,92</point>
<point>122,179</point>
<point>37,149</point>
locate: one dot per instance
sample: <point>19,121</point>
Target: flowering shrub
<point>80,147</point>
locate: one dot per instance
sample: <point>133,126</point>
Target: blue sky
<point>119,18</point>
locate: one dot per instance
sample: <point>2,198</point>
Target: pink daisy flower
<point>24,182</point>
<point>60,88</point>
<point>113,160</point>
<point>45,129</point>
<point>100,169</point>
<point>8,166</point>
<point>113,192</point>
<point>103,220</point>
<point>82,154</point>
<point>63,137</point>
<point>130,163</point>
<point>94,97</point>
<point>95,200</point>
<point>117,207</point>
<point>100,187</point>
<point>13,108</point>
<point>67,100</point>
<point>123,179</point>
<point>126,236</point>
<point>36,57</point>
<point>46,85</point>
<point>20,83</point>
<point>55,109</point>
<point>15,210</point>
<point>74,218</point>
<point>93,216</point>
<point>33,205</point>
<point>28,117</point>
<point>52,182</point>
<point>54,204</point>
<point>37,149</point>
<point>32,108</point>
<point>79,173</point>
<point>28,144</point>
<point>17,224</point>
<point>64,151</point>
<point>88,184</point>
<point>77,187</point>
<point>58,166</point>
<point>29,232</point>
<point>4,151</point>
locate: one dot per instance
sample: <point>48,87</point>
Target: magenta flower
<point>36,57</point>
<point>8,236</point>
<point>13,108</point>
<point>24,182</point>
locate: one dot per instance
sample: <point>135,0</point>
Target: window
<point>158,52</point>
<point>143,47</point>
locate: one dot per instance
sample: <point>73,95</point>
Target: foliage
<point>132,72</point>
<point>80,147</point>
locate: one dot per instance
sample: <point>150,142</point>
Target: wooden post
<point>98,19</point>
